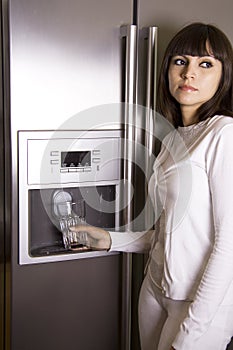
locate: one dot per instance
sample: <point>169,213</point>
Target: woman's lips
<point>187,88</point>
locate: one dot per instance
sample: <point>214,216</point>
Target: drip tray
<point>56,250</point>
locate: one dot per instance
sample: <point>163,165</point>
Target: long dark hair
<point>192,40</point>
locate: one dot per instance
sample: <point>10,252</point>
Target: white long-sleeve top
<point>191,255</point>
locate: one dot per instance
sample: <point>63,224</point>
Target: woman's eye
<point>206,64</point>
<point>179,62</point>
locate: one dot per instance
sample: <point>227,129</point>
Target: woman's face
<point>193,80</point>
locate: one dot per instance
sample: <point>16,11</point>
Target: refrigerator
<point>77,77</point>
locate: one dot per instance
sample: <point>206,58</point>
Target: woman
<point>186,300</point>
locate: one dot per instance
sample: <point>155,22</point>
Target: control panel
<point>71,157</point>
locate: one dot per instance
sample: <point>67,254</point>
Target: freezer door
<point>65,70</point>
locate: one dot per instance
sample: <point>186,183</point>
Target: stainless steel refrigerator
<point>70,75</point>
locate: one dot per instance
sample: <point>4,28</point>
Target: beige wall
<point>170,16</point>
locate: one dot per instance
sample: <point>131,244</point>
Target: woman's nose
<point>188,72</point>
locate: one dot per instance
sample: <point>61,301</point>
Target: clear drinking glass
<point>72,214</point>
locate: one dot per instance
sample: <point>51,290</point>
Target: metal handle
<point>151,67</point>
<point>130,34</point>
<point>150,95</point>
<point>150,116</point>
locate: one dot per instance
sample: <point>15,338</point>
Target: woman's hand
<point>96,237</point>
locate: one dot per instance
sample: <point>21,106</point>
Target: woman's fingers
<point>96,237</point>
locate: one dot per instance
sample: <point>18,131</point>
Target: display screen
<point>75,159</point>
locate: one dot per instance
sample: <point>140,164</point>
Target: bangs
<point>191,47</point>
<point>199,40</point>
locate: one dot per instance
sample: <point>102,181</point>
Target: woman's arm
<point>98,238</point>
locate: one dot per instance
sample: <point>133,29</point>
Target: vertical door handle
<point>129,33</point>
<point>150,96</point>
<point>150,116</point>
<point>151,67</point>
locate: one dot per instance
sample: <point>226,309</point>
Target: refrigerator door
<point>65,57</point>
<point>169,18</point>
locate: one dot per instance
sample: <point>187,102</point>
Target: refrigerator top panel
<point>65,58</point>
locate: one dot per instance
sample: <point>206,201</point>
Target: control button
<point>87,169</point>
<point>96,152</point>
<point>64,170</point>
<point>54,161</point>
<point>72,170</point>
<point>96,160</point>
<point>54,153</point>
<point>79,170</point>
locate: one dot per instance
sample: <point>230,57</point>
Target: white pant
<point>160,319</point>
